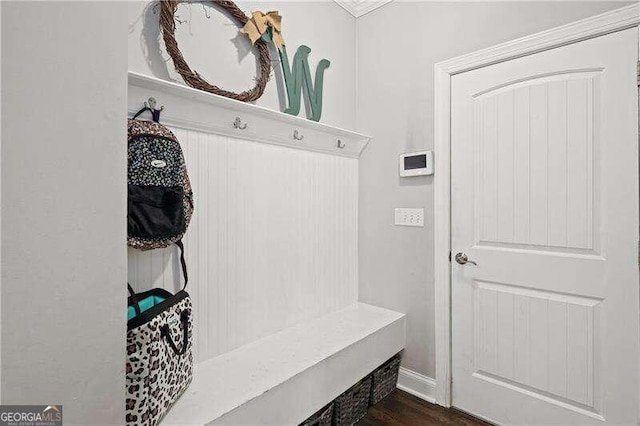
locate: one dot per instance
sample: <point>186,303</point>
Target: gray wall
<point>324,26</point>
<point>398,45</point>
<point>63,171</point>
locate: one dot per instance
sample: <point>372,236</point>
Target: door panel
<point>545,200</point>
<point>531,134</point>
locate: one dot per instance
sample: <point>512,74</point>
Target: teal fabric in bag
<point>145,304</point>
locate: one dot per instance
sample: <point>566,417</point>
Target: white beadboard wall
<point>273,240</point>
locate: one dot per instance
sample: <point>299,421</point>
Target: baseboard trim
<point>417,384</point>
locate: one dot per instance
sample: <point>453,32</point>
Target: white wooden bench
<point>284,378</point>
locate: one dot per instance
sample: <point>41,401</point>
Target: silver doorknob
<point>462,259</point>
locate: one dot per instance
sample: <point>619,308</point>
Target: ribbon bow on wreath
<point>267,26</point>
<point>297,78</point>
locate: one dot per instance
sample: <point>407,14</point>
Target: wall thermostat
<point>416,164</point>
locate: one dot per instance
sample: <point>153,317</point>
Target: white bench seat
<point>284,378</point>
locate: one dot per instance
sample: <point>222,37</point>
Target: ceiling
<point>361,7</point>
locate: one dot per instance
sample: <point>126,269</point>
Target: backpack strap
<point>134,299</point>
<point>155,113</point>
<point>183,263</point>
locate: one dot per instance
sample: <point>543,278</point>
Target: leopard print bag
<point>160,198</point>
<point>159,352</point>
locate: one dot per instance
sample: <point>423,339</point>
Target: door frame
<point>595,26</point>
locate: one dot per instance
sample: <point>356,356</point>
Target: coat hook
<point>297,136</point>
<point>238,124</point>
<point>341,144</point>
<point>151,104</point>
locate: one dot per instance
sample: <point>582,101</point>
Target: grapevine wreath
<point>192,78</point>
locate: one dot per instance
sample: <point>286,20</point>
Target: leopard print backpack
<point>160,199</point>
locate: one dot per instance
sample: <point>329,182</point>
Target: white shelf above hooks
<point>194,109</point>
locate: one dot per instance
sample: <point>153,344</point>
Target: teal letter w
<point>297,75</point>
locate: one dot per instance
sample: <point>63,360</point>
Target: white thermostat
<point>416,164</point>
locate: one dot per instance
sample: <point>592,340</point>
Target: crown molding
<point>361,7</point>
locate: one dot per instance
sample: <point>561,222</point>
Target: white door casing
<point>544,197</point>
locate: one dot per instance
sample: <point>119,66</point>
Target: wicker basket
<point>385,379</point>
<point>323,417</point>
<point>352,405</point>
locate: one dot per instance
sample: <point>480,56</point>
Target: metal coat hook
<point>238,124</point>
<point>341,144</point>
<point>297,136</point>
<point>151,104</point>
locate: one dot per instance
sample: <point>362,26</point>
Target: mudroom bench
<point>284,378</point>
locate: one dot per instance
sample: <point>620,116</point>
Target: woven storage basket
<point>385,379</point>
<point>323,417</point>
<point>352,405</point>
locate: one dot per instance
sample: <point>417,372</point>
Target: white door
<point>545,201</point>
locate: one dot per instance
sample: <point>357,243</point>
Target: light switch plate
<point>409,217</point>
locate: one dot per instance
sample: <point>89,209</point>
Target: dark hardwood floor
<point>403,409</point>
